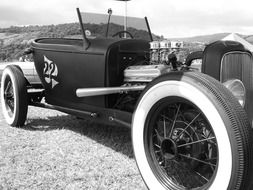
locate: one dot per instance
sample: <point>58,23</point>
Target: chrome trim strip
<point>85,92</point>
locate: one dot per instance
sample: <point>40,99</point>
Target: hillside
<point>14,40</point>
<point>206,39</point>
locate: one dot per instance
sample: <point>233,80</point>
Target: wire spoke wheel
<point>9,96</point>
<point>190,132</point>
<point>14,96</point>
<point>183,144</point>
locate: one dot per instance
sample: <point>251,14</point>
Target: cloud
<point>168,18</point>
<point>204,22</point>
<point>197,17</point>
<point>15,16</point>
<point>24,12</point>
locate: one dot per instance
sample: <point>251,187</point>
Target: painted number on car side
<point>50,72</point>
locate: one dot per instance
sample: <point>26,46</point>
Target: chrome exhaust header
<point>85,92</point>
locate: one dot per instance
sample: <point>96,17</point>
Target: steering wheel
<point>122,32</point>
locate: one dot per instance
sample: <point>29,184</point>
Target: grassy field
<point>58,151</point>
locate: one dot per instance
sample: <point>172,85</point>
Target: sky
<point>170,18</point>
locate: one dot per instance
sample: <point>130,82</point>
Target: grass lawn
<point>58,151</point>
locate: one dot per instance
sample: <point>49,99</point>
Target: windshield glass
<point>96,25</point>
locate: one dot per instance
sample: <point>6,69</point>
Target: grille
<point>239,65</point>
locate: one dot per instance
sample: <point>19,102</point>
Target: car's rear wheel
<point>189,132</point>
<point>14,96</point>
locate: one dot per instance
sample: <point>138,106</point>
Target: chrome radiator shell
<point>239,65</point>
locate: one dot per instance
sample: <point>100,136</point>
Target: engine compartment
<point>144,73</point>
<point>162,59</point>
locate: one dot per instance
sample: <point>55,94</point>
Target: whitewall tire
<point>189,132</point>
<point>14,96</point>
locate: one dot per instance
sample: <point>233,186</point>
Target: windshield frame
<point>107,20</point>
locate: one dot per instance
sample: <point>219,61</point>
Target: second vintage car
<point>27,68</point>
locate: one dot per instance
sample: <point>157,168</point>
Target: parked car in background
<point>190,130</point>
<point>27,68</point>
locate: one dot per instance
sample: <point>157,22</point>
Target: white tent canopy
<point>235,37</point>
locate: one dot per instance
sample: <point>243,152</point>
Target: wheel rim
<point>9,101</point>
<point>180,145</point>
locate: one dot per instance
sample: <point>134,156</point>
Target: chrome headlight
<point>196,65</point>
<point>238,90</point>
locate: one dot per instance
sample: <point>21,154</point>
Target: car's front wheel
<point>189,132</point>
<point>14,96</point>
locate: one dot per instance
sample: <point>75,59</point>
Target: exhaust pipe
<point>85,92</point>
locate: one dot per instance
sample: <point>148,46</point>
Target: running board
<point>85,92</point>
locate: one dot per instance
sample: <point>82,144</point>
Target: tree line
<point>18,38</point>
<point>12,49</point>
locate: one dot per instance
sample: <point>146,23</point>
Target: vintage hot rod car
<point>189,129</point>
